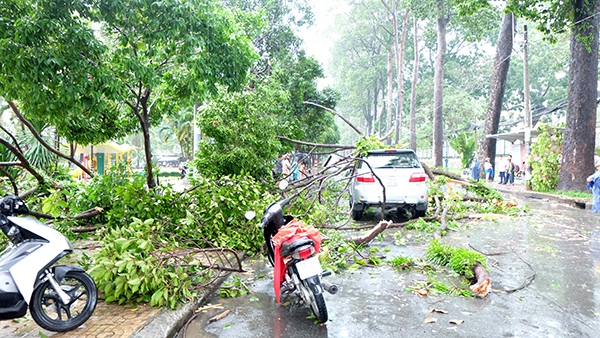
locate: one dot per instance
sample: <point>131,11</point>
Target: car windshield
<point>391,160</point>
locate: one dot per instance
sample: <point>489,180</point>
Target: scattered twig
<point>443,224</point>
<point>527,279</point>
<point>219,316</point>
<point>367,237</point>
<point>489,253</point>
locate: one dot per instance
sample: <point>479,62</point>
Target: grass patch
<point>459,260</point>
<point>402,262</point>
<point>572,193</point>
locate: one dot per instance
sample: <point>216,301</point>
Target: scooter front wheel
<point>52,314</point>
<point>313,295</point>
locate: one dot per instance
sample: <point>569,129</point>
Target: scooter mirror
<point>250,215</point>
<point>283,184</point>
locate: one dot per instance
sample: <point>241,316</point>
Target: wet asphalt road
<point>559,246</point>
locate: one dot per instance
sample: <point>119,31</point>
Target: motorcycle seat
<point>288,247</point>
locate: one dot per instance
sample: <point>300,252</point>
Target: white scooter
<point>61,297</point>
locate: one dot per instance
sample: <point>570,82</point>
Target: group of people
<point>505,167</point>
<point>290,167</point>
<point>507,170</point>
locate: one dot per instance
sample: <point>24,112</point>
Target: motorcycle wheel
<point>314,299</point>
<point>52,314</point>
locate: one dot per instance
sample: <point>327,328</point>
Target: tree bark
<point>400,69</point>
<point>438,86</point>
<point>580,131</point>
<point>390,86</point>
<point>413,97</point>
<point>501,64</point>
<point>144,117</point>
<point>368,236</point>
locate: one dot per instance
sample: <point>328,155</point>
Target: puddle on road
<point>562,245</point>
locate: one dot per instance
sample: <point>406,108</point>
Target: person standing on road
<point>510,170</point>
<point>489,171</point>
<point>475,170</point>
<point>594,185</point>
<point>501,169</point>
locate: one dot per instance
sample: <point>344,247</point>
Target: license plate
<point>391,182</point>
<point>309,268</point>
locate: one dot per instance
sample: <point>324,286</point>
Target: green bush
<point>128,268</point>
<point>545,164</point>
<point>216,211</point>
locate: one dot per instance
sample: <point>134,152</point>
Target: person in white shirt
<point>488,170</point>
<point>502,169</point>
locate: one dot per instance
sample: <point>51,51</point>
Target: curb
<point>167,323</point>
<point>581,203</point>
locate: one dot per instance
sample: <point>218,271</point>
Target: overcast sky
<point>318,39</point>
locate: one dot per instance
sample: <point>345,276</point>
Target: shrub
<point>545,164</point>
<point>128,269</point>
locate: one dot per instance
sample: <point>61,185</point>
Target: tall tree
<point>150,58</point>
<point>438,85</point>
<point>580,16</point>
<point>413,96</point>
<point>499,76</point>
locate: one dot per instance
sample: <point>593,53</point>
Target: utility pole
<point>528,118</point>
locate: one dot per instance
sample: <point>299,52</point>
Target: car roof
<point>391,151</point>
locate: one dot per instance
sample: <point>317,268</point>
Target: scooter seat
<point>288,247</point>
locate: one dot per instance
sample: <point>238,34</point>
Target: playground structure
<point>101,157</point>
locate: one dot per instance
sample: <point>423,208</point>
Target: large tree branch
<point>336,114</point>
<point>43,142</point>
<point>11,180</point>
<point>335,146</point>
<point>24,163</point>
<point>12,137</point>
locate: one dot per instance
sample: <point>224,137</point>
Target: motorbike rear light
<point>304,252</point>
<point>365,178</point>
<point>418,177</point>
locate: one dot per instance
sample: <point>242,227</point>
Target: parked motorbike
<point>60,297</point>
<point>292,249</point>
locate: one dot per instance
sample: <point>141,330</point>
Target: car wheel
<point>357,214</point>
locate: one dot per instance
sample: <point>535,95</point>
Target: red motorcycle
<point>292,248</point>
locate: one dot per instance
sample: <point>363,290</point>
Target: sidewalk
<point>112,320</point>
<point>519,189</point>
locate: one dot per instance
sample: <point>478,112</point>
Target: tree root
<point>526,281</point>
<point>484,281</point>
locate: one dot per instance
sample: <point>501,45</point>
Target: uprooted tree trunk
<point>484,281</point>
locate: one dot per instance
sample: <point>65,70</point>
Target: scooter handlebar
<point>285,201</point>
<point>11,205</point>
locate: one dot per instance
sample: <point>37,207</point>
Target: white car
<point>400,173</point>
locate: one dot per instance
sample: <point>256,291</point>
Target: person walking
<point>501,169</point>
<point>594,185</point>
